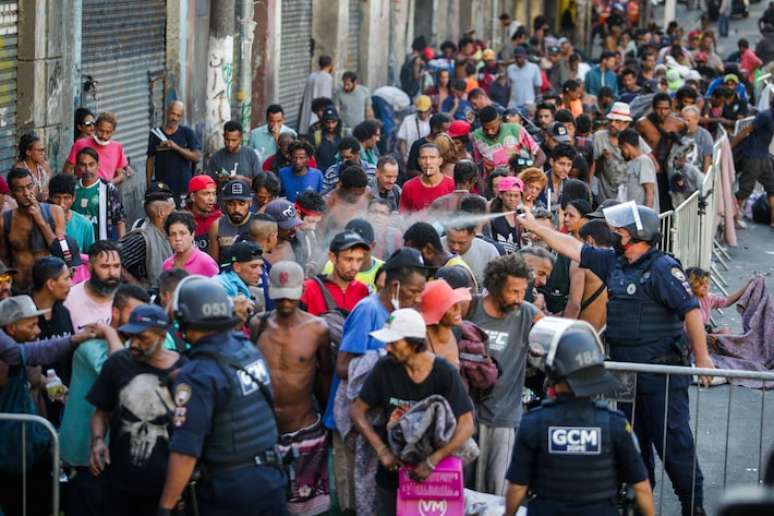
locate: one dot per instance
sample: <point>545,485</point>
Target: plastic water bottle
<point>54,386</point>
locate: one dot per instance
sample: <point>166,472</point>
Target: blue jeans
<point>723,25</point>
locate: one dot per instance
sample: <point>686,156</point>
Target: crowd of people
<point>397,246</point>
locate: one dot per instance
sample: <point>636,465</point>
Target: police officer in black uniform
<point>223,417</point>
<point>650,310</point>
<point>573,453</point>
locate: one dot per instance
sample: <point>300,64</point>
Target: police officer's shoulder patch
<point>677,273</point>
<point>574,440</point>
<point>182,394</point>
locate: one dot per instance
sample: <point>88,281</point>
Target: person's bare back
<point>297,351</point>
<point>596,312</point>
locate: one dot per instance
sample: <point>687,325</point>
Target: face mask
<point>396,298</point>
<point>103,143</point>
<point>616,244</point>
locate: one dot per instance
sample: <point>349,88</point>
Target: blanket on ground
<point>754,348</point>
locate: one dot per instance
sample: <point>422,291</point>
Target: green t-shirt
<point>87,203</point>
<point>81,230</point>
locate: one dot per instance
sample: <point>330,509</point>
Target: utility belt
<point>679,354</point>
<point>268,457</point>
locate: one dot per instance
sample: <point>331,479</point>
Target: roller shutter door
<point>9,15</point>
<point>295,56</point>
<point>353,38</point>
<point>123,50</point>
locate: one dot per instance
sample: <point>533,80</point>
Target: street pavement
<point>728,444</point>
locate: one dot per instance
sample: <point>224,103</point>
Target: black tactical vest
<point>633,316</point>
<point>245,425</point>
<point>575,461</point>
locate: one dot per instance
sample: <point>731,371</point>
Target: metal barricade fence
<point>24,419</point>
<point>628,373</point>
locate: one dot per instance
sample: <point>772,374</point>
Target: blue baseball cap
<point>145,317</point>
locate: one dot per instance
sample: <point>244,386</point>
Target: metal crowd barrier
<point>28,418</point>
<point>628,373</point>
<point>688,231</point>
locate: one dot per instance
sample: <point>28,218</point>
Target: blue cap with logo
<point>145,317</point>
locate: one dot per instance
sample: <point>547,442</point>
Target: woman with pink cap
<point>441,311</point>
<point>508,201</point>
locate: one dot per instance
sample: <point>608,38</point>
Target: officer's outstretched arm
<point>644,496</point>
<point>561,243</point>
<point>179,471</point>
<point>513,498</point>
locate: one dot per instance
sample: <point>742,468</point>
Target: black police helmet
<point>651,226</point>
<point>201,303</point>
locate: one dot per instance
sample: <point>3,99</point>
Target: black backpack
<point>333,316</point>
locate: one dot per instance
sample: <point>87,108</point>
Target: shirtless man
<point>587,299</point>
<point>659,130</point>
<point>29,229</point>
<point>296,348</point>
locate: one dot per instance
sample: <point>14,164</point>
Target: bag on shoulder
<point>16,398</point>
<point>478,369</point>
<point>333,316</point>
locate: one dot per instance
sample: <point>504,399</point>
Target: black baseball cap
<point>158,191</point>
<point>66,248</point>
<point>363,228</point>
<point>330,113</point>
<point>245,251</point>
<point>559,133</point>
<point>236,190</point>
<point>455,275</point>
<point>4,269</point>
<point>405,257</point>
<point>347,240</point>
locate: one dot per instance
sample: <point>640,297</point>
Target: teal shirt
<point>75,433</point>
<point>81,230</point>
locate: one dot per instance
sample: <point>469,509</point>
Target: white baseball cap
<point>403,323</point>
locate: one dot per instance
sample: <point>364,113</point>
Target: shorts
<point>309,490</point>
<point>755,170</point>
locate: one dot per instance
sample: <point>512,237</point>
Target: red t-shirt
<point>314,300</point>
<point>417,196</point>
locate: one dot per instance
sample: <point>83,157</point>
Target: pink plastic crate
<point>441,494</point>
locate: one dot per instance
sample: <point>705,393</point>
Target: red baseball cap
<point>438,298</point>
<point>200,182</point>
<point>459,128</point>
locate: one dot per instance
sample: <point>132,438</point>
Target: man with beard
<point>540,262</point>
<point>244,275</point>
<point>92,301</point>
<point>236,197</point>
<point>347,253</point>
<point>84,493</point>
<point>202,203</point>
<point>98,200</point>
<point>296,348</point>
<point>661,129</point>
<point>353,101</point>
<point>610,166</point>
<point>29,229</point>
<point>172,159</point>
<point>133,401</point>
<point>504,315</point>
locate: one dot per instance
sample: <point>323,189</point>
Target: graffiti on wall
<point>220,68</point>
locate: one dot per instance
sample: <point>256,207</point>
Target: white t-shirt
<point>640,171</point>
<point>84,310</point>
<point>412,129</point>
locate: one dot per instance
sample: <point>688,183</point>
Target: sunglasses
<point>89,124</point>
